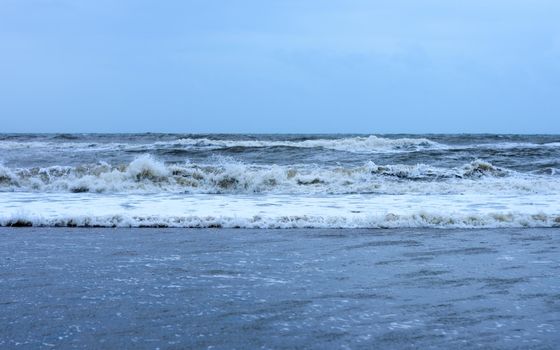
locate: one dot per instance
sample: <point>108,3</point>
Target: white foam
<point>511,145</point>
<point>277,211</point>
<point>148,175</point>
<point>146,166</point>
<point>359,144</point>
<point>7,176</point>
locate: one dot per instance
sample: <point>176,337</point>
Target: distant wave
<point>148,175</point>
<point>515,145</point>
<point>358,144</point>
<point>369,144</point>
<point>351,144</point>
<point>419,219</point>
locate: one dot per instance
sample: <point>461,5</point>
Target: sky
<point>280,66</point>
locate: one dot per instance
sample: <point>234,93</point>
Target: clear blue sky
<point>280,66</point>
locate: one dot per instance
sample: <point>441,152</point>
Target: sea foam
<point>280,181</point>
<point>279,211</point>
<point>146,174</point>
<point>417,220</point>
<point>352,144</point>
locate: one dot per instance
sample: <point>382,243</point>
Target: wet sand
<point>222,288</point>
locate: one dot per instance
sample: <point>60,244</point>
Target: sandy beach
<point>237,288</point>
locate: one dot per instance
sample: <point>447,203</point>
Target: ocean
<point>280,181</point>
<point>173,241</point>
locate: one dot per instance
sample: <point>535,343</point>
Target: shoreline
<point>26,225</point>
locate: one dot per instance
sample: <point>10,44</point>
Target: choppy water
<point>280,180</point>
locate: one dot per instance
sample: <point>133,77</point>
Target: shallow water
<point>322,288</point>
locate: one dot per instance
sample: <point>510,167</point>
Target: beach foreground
<point>301,288</point>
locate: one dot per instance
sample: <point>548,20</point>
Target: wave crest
<point>421,219</point>
<point>147,174</point>
<point>358,144</point>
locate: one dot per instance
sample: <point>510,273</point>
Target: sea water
<point>279,181</point>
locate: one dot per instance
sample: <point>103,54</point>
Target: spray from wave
<point>146,174</point>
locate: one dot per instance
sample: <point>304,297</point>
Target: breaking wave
<point>351,144</point>
<point>358,144</point>
<point>280,181</point>
<point>416,220</point>
<point>146,174</point>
